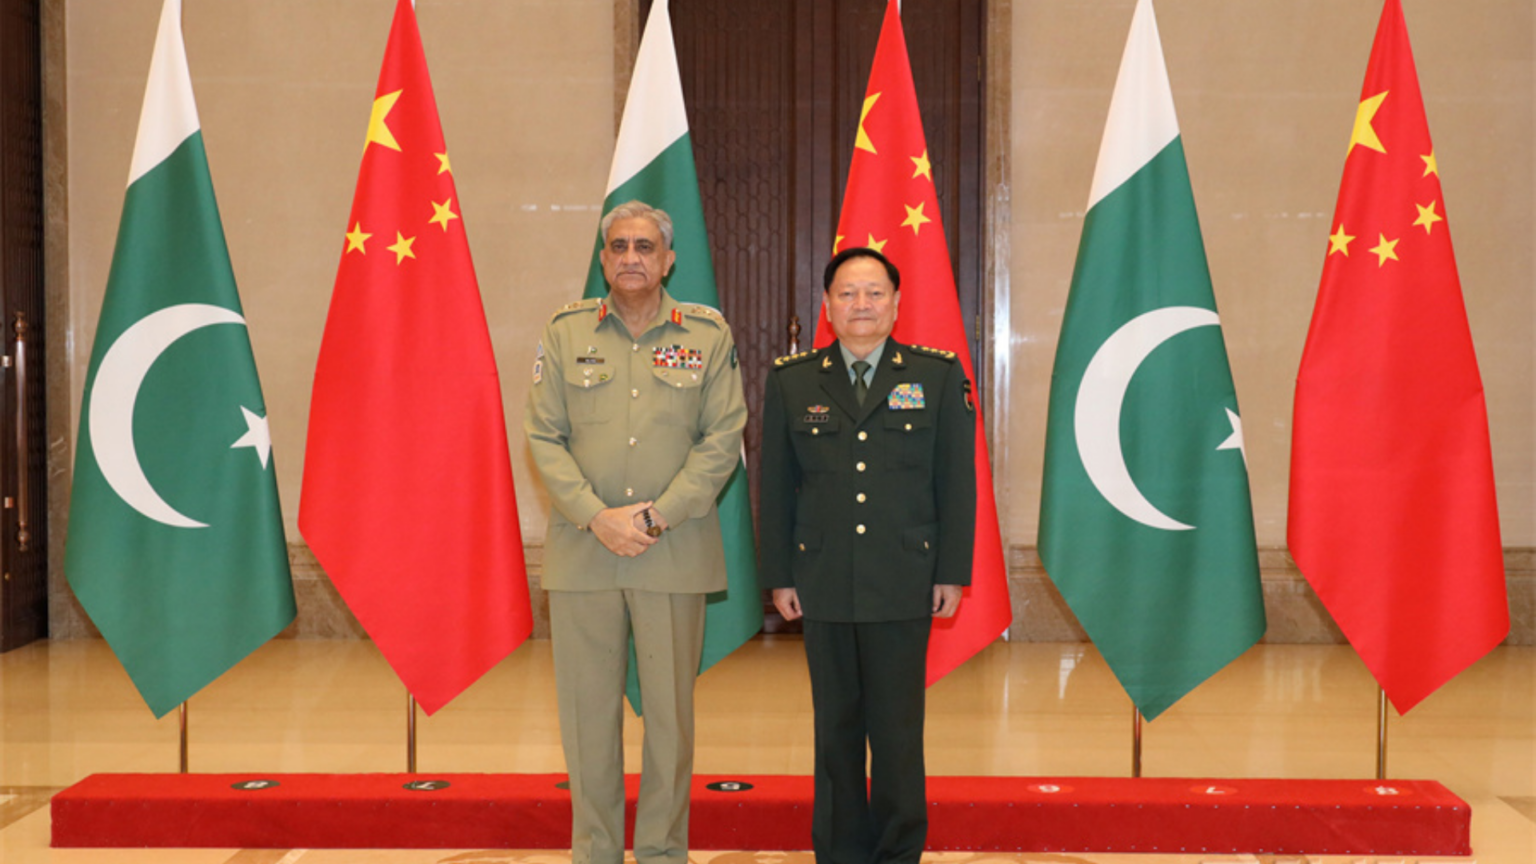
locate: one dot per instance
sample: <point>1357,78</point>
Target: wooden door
<point>773,89</point>
<point>23,456</point>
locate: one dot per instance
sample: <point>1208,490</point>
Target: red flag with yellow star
<point>408,501</point>
<point>891,205</point>
<point>1392,512</point>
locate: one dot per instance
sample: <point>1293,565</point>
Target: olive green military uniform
<point>863,509</point>
<point>615,419</point>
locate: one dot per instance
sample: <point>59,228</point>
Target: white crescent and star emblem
<point>1096,420</point>
<point>116,389</point>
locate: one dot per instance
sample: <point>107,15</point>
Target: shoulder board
<point>590,303</point>
<point>704,313</point>
<point>791,359</point>
<point>933,352</point>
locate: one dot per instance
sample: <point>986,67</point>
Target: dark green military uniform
<point>864,508</point>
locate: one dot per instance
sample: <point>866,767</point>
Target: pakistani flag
<point>175,545</point>
<point>653,162</point>
<point>1146,525</point>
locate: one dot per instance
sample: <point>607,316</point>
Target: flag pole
<point>1381,733</point>
<point>1135,741</point>
<point>410,733</point>
<point>183,714</point>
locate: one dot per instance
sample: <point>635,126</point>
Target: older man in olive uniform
<point>867,521</point>
<point>635,422</point>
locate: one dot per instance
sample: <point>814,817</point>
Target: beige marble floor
<point>67,710</point>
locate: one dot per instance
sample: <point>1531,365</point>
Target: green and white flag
<point>653,162</point>
<point>175,545</point>
<point>1146,525</point>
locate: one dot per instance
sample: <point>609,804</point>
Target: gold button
<point>635,347</point>
<point>633,442</point>
<point>802,547</point>
<point>630,493</point>
<point>587,383</point>
<point>925,544</point>
<point>860,529</point>
<point>860,466</point>
<point>909,427</point>
<point>860,498</point>
<point>863,436</point>
<point>634,394</point>
<point>815,430</point>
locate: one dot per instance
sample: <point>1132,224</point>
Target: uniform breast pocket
<point>681,394</point>
<point>588,395</point>
<point>816,438</point>
<point>910,436</point>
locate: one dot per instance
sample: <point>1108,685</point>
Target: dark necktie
<point>860,388</point>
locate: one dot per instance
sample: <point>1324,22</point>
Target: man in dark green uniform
<point>867,509</point>
<point>634,422</point>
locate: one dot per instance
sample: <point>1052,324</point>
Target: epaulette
<point>698,310</point>
<point>791,359</point>
<point>577,306</point>
<point>933,352</point>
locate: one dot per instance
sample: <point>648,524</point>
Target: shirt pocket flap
<point>909,420</point>
<point>921,539</point>
<point>586,376</point>
<point>678,378</point>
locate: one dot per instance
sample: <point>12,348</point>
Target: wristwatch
<point>651,527</point>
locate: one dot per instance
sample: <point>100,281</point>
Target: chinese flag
<point>1392,513</point>
<point>408,501</point>
<point>891,205</point>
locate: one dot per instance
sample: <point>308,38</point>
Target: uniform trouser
<point>590,631</point>
<point>867,685</point>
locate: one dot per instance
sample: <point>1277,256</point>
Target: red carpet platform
<point>522,811</point>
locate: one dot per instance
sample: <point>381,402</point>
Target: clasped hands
<point>623,529</point>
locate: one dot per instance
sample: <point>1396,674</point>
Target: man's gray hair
<point>639,210</point>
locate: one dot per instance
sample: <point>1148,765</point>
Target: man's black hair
<point>847,255</point>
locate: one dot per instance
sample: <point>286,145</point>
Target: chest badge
<point>818,414</point>
<point>905,397</point>
<point>678,357</point>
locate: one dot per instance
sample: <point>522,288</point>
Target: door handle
<point>23,499</point>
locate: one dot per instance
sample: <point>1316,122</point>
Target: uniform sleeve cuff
<point>584,517</point>
<point>663,508</point>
